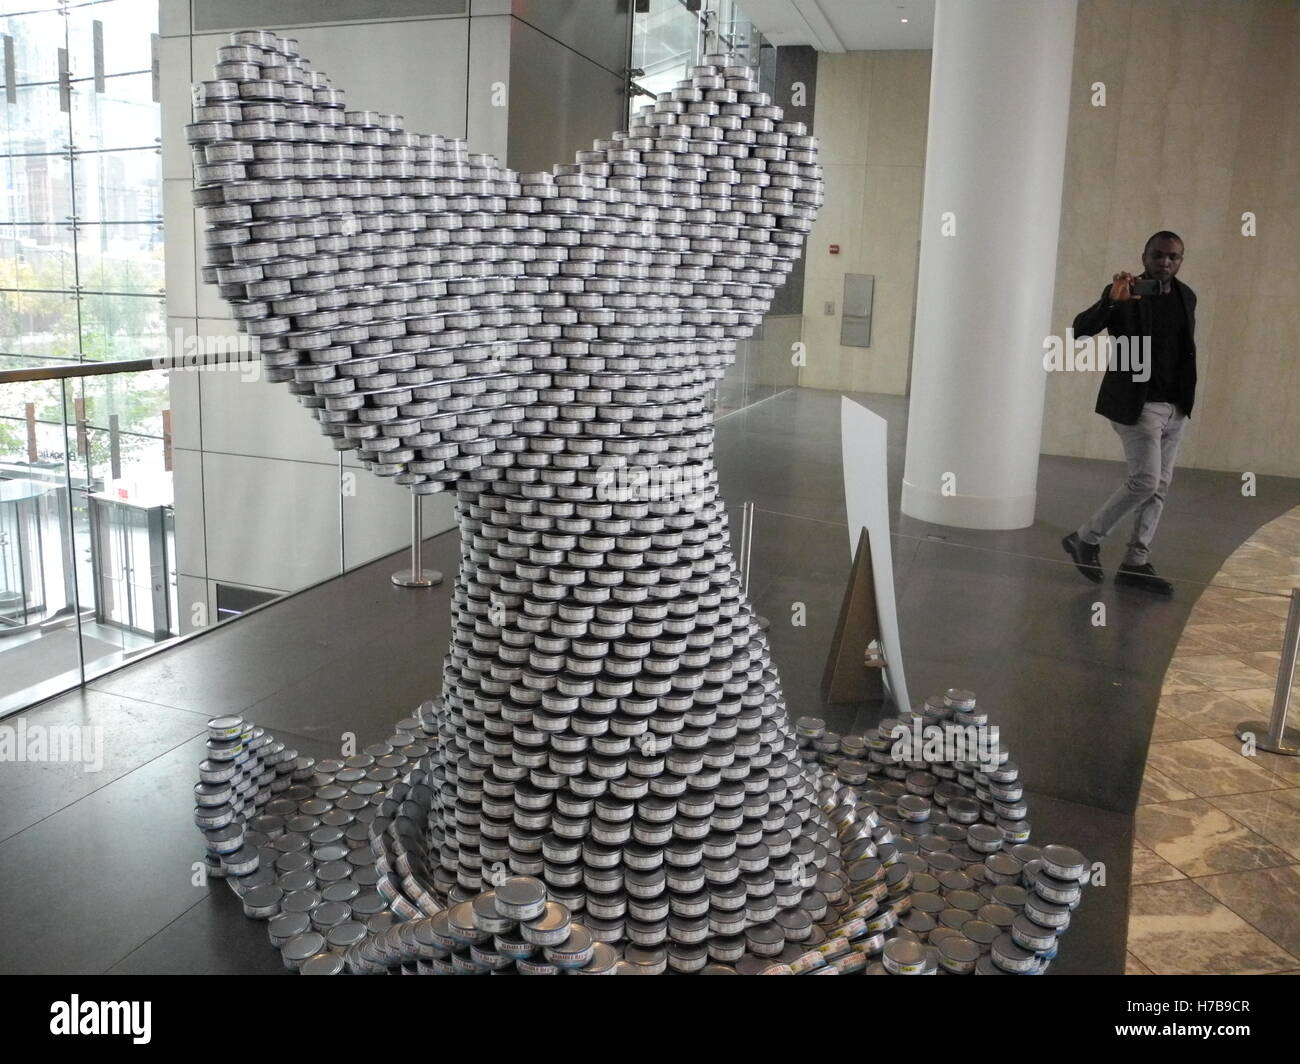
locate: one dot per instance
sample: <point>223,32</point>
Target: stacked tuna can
<point>341,869</point>
<point>943,794</point>
<point>944,755</point>
<point>244,769</point>
<point>453,319</point>
<point>610,720</point>
<point>611,724</point>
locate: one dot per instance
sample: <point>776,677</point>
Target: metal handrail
<point>130,365</point>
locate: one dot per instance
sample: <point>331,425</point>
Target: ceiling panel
<point>845,25</point>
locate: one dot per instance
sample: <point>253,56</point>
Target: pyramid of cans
<point>456,321</point>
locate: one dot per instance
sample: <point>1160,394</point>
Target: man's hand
<point>1121,289</point>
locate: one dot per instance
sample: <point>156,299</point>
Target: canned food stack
<point>244,768</point>
<point>683,901</point>
<point>611,723</point>
<point>546,343</point>
<point>292,836</point>
<point>452,319</point>
<point>961,908</point>
<point>944,755</point>
<point>344,879</point>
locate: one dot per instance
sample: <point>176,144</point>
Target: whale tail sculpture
<point>611,728</point>
<point>444,315</point>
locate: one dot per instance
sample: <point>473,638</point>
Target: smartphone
<point>1144,287</point>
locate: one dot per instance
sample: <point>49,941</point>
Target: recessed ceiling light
<point>902,20</point>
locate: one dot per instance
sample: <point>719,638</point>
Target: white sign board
<point>866,497</point>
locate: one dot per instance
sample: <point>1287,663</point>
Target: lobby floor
<point>1216,857</point>
<point>96,869</point>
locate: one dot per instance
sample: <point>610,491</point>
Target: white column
<point>995,158</point>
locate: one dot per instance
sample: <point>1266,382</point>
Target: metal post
<point>746,543</point>
<point>1277,737</point>
<point>417,575</point>
<point>746,552</point>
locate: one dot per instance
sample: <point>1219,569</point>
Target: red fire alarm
<point>835,249</point>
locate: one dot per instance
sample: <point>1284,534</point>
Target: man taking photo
<point>1147,409</point>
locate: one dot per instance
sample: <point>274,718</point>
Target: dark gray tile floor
<point>1003,613</point>
<point>96,869</point>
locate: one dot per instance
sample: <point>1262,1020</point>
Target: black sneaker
<point>1087,557</point>
<point>1143,577</point>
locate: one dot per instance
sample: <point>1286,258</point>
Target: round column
<point>995,159</point>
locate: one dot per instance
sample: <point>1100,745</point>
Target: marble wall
<point>1200,125</point>
<point>871,118</point>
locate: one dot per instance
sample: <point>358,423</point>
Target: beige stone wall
<point>871,118</point>
<point>1200,125</point>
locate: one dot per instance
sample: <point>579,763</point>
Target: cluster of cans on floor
<point>926,874</point>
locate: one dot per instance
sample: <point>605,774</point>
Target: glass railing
<point>670,36</point>
<point>122,530</point>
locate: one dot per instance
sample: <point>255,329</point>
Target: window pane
<point>33,123</point>
<point>38,323</point>
<point>38,35</point>
<point>126,24</point>
<point>119,186</point>
<point>11,361</point>
<point>37,189</point>
<point>38,313</point>
<point>47,398</point>
<point>664,43</point>
<point>115,327</point>
<point>124,115</point>
<point>121,257</point>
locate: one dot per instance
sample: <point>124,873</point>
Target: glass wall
<point>85,481</point>
<point>81,261</point>
<point>668,39</point>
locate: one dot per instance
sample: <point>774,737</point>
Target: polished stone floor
<point>96,868</point>
<point>1216,857</point>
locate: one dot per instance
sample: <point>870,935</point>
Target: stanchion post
<point>417,575</point>
<point>746,543</point>
<point>746,552</point>
<point>1277,738</point>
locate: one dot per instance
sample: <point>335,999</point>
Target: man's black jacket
<point>1121,397</point>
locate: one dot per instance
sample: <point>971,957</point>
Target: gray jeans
<point>1150,447</point>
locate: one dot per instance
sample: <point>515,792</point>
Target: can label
<point>810,960</point>
<point>852,929</point>
<point>864,909</point>
<point>850,964</point>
